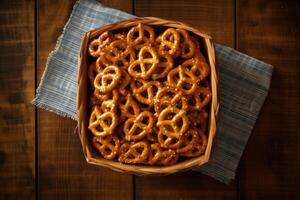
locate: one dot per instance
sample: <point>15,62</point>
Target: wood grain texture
<point>63,171</point>
<point>270,31</point>
<point>124,5</point>
<point>214,17</point>
<point>17,146</point>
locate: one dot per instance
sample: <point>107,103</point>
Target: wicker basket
<point>82,101</point>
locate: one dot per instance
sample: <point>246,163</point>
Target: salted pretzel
<point>169,157</point>
<point>155,154</point>
<point>98,44</point>
<point>102,124</point>
<point>187,46</point>
<point>164,66</point>
<point>108,79</point>
<point>183,79</point>
<point>197,66</point>
<point>198,119</point>
<point>199,148</point>
<point>169,140</point>
<point>189,140</point>
<point>200,98</point>
<point>124,82</point>
<point>113,95</point>
<point>169,41</point>
<point>145,36</point>
<point>118,53</point>
<point>134,152</point>
<point>145,91</point>
<point>128,106</point>
<point>170,96</point>
<point>108,146</point>
<point>138,127</point>
<point>146,64</point>
<point>173,121</point>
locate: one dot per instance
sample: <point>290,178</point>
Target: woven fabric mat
<point>244,84</point>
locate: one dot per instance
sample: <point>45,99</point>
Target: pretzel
<point>155,154</point>
<point>183,79</point>
<point>169,157</point>
<point>145,36</point>
<point>108,106</point>
<point>170,96</point>
<point>108,146</point>
<point>189,140</point>
<point>129,108</point>
<point>113,95</point>
<point>187,46</point>
<point>108,79</point>
<point>169,41</point>
<point>197,66</point>
<point>145,91</point>
<point>137,128</point>
<point>118,53</point>
<point>199,148</point>
<point>94,100</point>
<point>102,124</point>
<point>164,66</point>
<point>199,119</point>
<point>173,121</point>
<point>98,44</point>
<point>200,98</point>
<point>152,135</point>
<point>124,82</point>
<point>134,152</point>
<point>170,141</point>
<point>146,64</point>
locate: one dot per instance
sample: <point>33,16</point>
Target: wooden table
<point>40,157</point>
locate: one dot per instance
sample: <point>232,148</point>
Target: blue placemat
<point>244,82</point>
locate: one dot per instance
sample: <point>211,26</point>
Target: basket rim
<point>147,169</point>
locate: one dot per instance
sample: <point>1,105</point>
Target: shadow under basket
<point>89,151</point>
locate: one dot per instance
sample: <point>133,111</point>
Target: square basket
<point>82,100</point>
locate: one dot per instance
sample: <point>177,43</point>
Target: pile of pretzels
<point>150,95</point>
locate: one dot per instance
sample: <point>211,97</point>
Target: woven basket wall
<point>82,100</point>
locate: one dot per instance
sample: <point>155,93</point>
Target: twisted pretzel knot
<point>164,66</point>
<point>173,122</point>
<point>145,91</point>
<point>169,157</point>
<point>108,146</point>
<point>170,96</point>
<point>129,108</point>
<point>197,66</point>
<point>167,140</point>
<point>183,79</point>
<point>199,148</point>
<point>102,124</point>
<point>124,82</point>
<point>155,154</point>
<point>200,98</point>
<point>134,152</point>
<point>146,36</point>
<point>113,95</point>
<point>189,140</point>
<point>187,46</point>
<point>98,44</point>
<point>108,79</point>
<point>146,64</point>
<point>169,41</point>
<point>137,128</point>
<point>118,53</point>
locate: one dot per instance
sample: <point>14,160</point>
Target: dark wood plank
<point>215,17</point>
<point>269,30</point>
<point>63,171</point>
<point>17,121</point>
